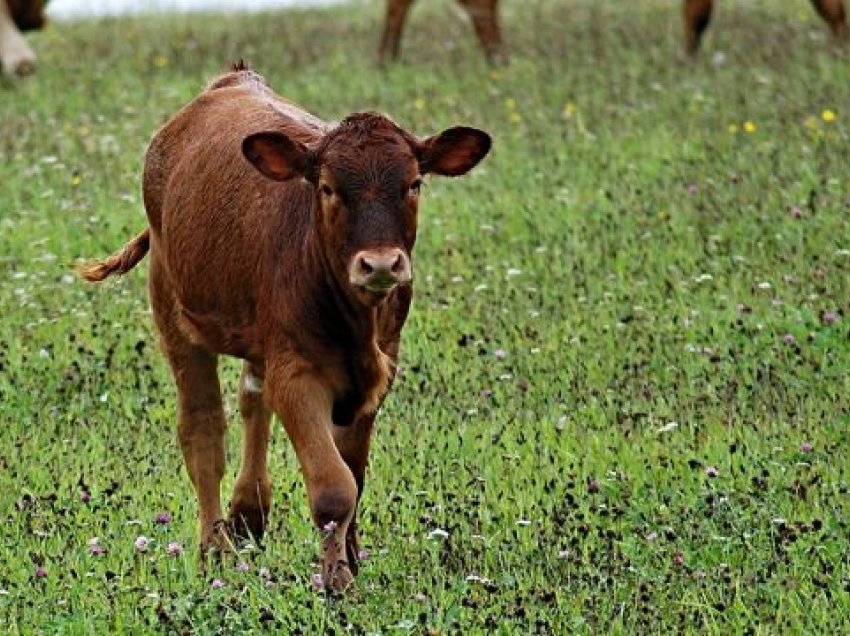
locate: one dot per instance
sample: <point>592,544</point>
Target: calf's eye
<point>415,186</point>
<point>326,190</point>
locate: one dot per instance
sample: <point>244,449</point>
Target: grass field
<point>625,405</point>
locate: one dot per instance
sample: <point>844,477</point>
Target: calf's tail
<point>120,262</point>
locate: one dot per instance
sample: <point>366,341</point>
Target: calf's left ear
<point>453,152</point>
<point>276,156</point>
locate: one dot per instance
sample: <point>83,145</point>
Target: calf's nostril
<point>398,264</point>
<point>365,266</point>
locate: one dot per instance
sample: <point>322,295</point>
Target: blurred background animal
<point>698,15</point>
<point>16,57</point>
<point>485,19</point>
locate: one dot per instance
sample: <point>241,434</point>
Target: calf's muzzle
<point>380,270</point>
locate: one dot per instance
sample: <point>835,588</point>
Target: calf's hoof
<point>247,525</point>
<point>353,552</point>
<point>217,541</point>
<point>246,522</point>
<point>337,578</point>
<point>19,67</point>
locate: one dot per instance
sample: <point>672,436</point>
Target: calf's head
<point>367,173</point>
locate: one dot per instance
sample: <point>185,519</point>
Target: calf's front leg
<point>353,445</point>
<point>305,405</point>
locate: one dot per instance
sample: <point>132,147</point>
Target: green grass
<point>637,262</point>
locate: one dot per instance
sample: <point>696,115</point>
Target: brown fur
<point>27,14</point>
<point>697,15</point>
<point>485,19</point>
<point>300,265</point>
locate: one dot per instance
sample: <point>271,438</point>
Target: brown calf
<point>697,15</point>
<point>485,18</point>
<point>16,57</point>
<point>286,241</point>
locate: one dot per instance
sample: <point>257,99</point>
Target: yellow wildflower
<point>569,110</point>
<point>733,128</point>
<point>828,116</point>
<point>515,117</point>
<point>749,127</point>
<point>75,180</point>
<point>419,103</point>
<point>510,103</point>
<point>160,61</point>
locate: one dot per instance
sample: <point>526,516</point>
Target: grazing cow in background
<point>16,57</point>
<point>698,14</point>
<point>485,18</point>
<point>286,241</point>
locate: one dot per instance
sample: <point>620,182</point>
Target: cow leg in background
<point>201,424</point>
<point>697,15</point>
<point>16,57</point>
<point>832,11</point>
<point>393,27</point>
<point>252,493</point>
<point>353,445</point>
<point>485,18</point>
<point>305,406</point>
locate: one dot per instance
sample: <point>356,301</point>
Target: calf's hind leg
<point>200,420</point>
<point>252,492</point>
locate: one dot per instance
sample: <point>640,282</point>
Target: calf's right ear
<point>454,151</point>
<point>276,156</point>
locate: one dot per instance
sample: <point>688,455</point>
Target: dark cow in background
<point>485,19</point>
<point>286,241</point>
<point>697,15</point>
<point>16,57</point>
